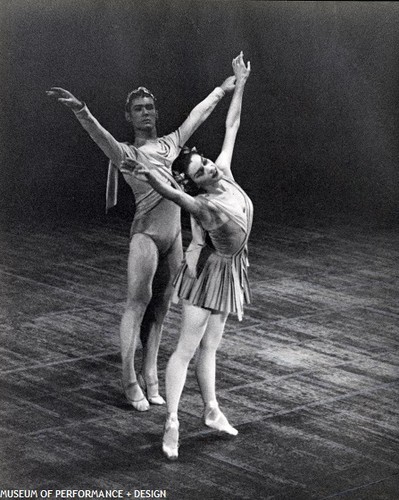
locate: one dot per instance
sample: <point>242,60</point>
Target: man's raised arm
<point>202,110</point>
<point>109,145</point>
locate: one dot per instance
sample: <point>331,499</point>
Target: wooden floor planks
<point>309,377</point>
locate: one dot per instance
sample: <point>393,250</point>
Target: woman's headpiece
<point>186,150</point>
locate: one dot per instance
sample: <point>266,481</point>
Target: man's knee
<point>160,304</point>
<point>155,314</point>
<point>138,299</point>
<point>139,290</point>
<point>137,303</point>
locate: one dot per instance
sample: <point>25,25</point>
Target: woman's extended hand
<point>241,70</point>
<point>138,170</point>
<point>65,97</point>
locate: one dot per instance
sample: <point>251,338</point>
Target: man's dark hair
<point>139,92</point>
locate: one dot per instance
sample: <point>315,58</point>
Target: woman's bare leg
<point>206,373</point>
<point>194,322</point>
<point>206,360</point>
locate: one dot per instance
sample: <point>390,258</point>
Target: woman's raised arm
<point>241,72</point>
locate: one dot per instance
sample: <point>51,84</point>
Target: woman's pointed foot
<point>135,396</point>
<point>215,419</point>
<point>151,391</point>
<point>170,442</point>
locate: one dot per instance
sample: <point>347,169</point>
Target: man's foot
<point>151,391</point>
<point>135,396</point>
<point>170,442</point>
<point>215,419</point>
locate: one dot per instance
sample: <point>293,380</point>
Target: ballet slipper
<point>170,442</point>
<point>140,404</point>
<point>215,419</point>
<point>155,399</point>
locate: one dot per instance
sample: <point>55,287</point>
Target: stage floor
<point>309,377</point>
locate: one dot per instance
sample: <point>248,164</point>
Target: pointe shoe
<point>215,419</point>
<point>140,404</point>
<point>170,442</point>
<point>156,399</point>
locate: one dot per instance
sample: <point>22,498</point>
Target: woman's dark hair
<point>180,169</point>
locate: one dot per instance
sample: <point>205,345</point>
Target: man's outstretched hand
<point>65,97</point>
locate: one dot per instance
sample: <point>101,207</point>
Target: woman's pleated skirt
<point>221,285</point>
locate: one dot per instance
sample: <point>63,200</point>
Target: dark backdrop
<point>319,133</point>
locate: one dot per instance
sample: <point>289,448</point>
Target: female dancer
<point>211,285</point>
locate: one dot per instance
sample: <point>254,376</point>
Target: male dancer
<point>155,250</point>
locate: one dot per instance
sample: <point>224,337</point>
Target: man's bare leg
<point>154,318</point>
<point>142,265</point>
